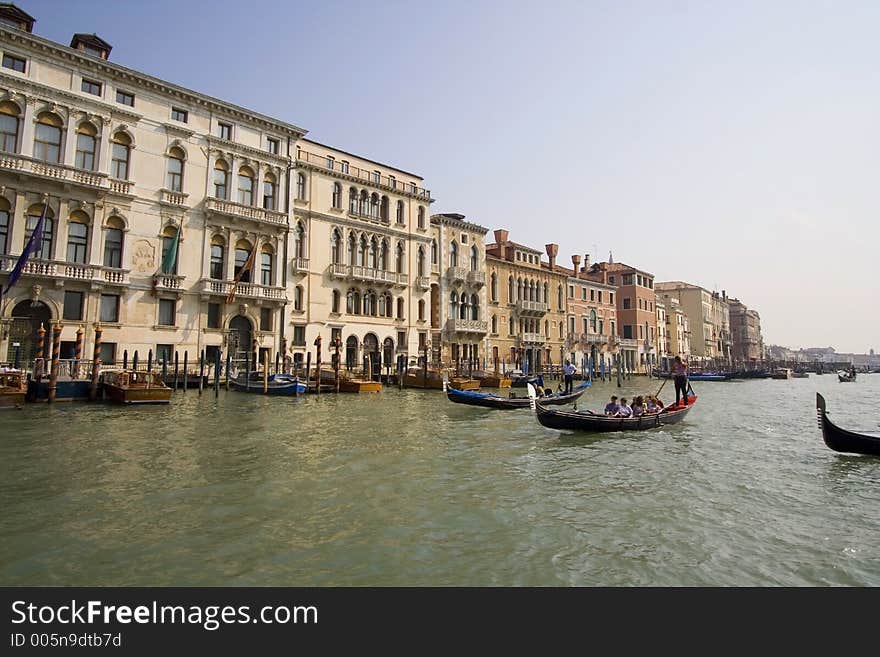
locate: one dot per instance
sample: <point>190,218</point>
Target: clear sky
<point>729,144</point>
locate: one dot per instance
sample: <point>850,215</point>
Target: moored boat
<point>598,423</point>
<point>781,374</point>
<point>800,375</point>
<point>491,400</point>
<point>846,377</point>
<point>65,390</point>
<point>13,388</point>
<point>135,387</point>
<point>843,440</point>
<point>433,380</point>
<point>492,380</point>
<point>277,384</point>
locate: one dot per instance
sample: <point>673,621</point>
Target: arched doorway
<point>351,350</point>
<point>388,352</point>
<point>27,316</point>
<point>241,338</point>
<point>371,354</point>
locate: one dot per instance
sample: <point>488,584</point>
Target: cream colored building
<point>458,292</point>
<point>677,332</point>
<point>591,319</point>
<point>125,159</point>
<point>360,258</point>
<point>705,317</point>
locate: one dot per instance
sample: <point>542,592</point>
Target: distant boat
<point>135,387</point>
<point>800,375</point>
<point>781,374</point>
<point>843,440</point>
<point>846,377</point>
<point>433,380</point>
<point>492,400</point>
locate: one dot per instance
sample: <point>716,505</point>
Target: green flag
<point>170,259</point>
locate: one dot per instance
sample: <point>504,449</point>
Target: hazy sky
<point>729,144</point>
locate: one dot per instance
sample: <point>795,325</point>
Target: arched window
<point>352,302</point>
<point>4,225</point>
<point>475,258</point>
<point>546,328</point>
<point>382,305</point>
<point>421,309</point>
<point>401,263</point>
<point>170,241</point>
<point>9,123</point>
<point>434,252</point>
<point>47,138</point>
<point>336,247</point>
<point>242,253</point>
<point>337,196</point>
<point>270,192</point>
<point>383,256</point>
<point>475,307</point>
<point>218,258</point>
<point>86,145</point>
<point>352,249</point>
<point>298,294</point>
<point>33,216</point>
<point>299,241</point>
<point>560,300</point>
<point>453,304</point>
<point>77,238</point>
<point>335,307</point>
<point>174,177</point>
<point>362,252</point>
<point>267,261</point>
<point>301,186</point>
<point>364,205</point>
<point>221,180</point>
<point>420,261</point>
<point>519,289</point>
<point>421,217</point>
<point>374,206</point>
<point>400,218</point>
<point>494,324</point>
<point>373,262</point>
<point>353,200</point>
<point>120,156</point>
<point>453,254</point>
<point>383,208</point>
<point>510,327</point>
<point>593,321</point>
<point>369,303</point>
<point>399,307</point>
<point>546,297</point>
<point>246,186</point>
<point>510,293</point>
<point>493,286</point>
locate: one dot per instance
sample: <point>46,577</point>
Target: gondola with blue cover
<point>490,400</point>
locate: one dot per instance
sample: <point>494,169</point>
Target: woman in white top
<point>624,410</point>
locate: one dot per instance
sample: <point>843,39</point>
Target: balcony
<point>368,274</point>
<point>477,278</point>
<point>121,187</point>
<point>532,338</point>
<point>23,164</point>
<point>531,308</point>
<point>300,265</point>
<point>239,211</point>
<point>67,271</point>
<point>457,274</point>
<point>628,343</point>
<point>244,290</point>
<point>168,283</point>
<point>594,338</point>
<point>466,326</point>
<point>423,282</point>
<point>169,197</point>
<point>338,270</point>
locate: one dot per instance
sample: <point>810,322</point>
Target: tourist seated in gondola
<point>624,410</point>
<point>638,407</point>
<point>653,405</point>
<point>612,407</point>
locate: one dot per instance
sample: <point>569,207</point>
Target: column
<point>233,178</point>
<point>231,238</point>
<point>67,156</point>
<point>104,146</point>
<point>19,221</point>
<point>96,252</point>
<point>27,127</point>
<point>59,243</point>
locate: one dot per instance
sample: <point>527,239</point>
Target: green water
<point>406,488</point>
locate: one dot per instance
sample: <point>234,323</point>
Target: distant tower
<point>610,258</point>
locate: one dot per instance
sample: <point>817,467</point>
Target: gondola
<point>593,422</point>
<point>846,377</point>
<point>841,440</point>
<point>488,400</point>
<point>277,384</point>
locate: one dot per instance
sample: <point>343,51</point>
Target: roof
<point>10,10</point>
<point>361,157</point>
<point>91,40</point>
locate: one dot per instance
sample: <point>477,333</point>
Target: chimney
<point>724,294</point>
<point>552,250</point>
<point>501,241</point>
<point>576,261</point>
<point>586,262</point>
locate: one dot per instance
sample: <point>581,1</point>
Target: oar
<point>657,394</point>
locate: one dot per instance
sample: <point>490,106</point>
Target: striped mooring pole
<point>77,353</point>
<point>38,361</point>
<point>56,354</point>
<point>96,364</point>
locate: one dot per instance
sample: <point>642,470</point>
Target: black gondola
<point>594,422</point>
<point>488,400</point>
<point>841,440</point>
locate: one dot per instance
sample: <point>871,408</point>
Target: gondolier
<point>679,373</point>
<point>568,371</point>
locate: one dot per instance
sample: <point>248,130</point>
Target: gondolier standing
<point>679,372</point>
<point>568,370</point>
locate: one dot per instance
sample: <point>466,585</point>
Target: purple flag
<point>32,246</point>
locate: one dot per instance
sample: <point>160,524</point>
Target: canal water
<point>406,488</point>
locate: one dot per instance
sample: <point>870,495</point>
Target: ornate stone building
<point>705,315</point>
<point>126,161</point>
<point>745,332</point>
<point>526,305</point>
<point>676,331</point>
